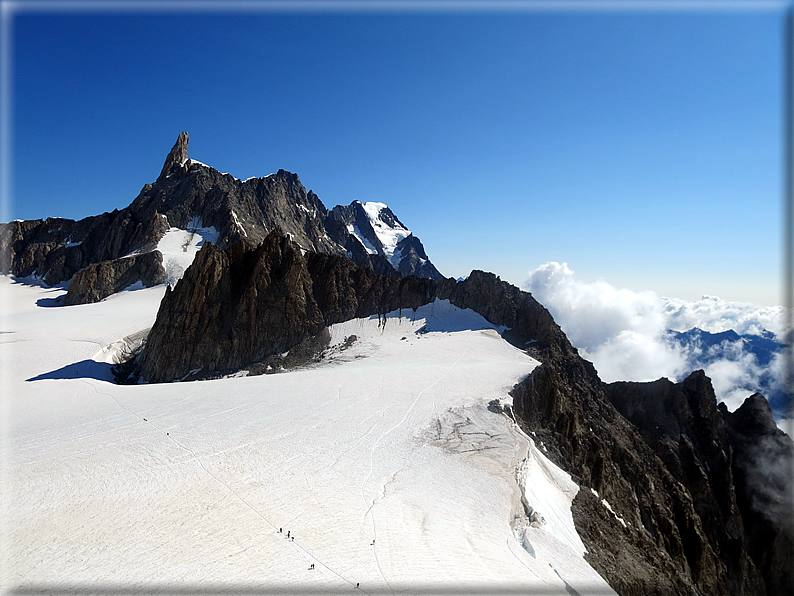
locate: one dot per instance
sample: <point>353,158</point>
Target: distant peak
<point>177,156</point>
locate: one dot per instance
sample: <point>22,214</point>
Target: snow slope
<point>383,463</point>
<point>179,247</point>
<point>388,235</point>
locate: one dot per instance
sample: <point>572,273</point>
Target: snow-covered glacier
<point>390,467</point>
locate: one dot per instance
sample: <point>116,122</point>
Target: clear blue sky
<point>643,148</point>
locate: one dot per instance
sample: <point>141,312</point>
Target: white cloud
<point>786,425</point>
<point>623,332</point>
<point>714,314</point>
<point>620,330</point>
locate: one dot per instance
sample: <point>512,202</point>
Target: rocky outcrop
<point>683,425</point>
<point>98,281</point>
<point>186,192</point>
<point>763,464</point>
<point>232,307</point>
<point>237,306</point>
<point>55,249</point>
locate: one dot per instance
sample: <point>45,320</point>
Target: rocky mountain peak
<point>373,235</point>
<point>754,417</point>
<point>189,195</point>
<point>177,157</point>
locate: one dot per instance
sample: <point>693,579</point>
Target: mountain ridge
<point>186,191</point>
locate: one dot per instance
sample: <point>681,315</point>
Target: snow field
<point>179,247</point>
<point>187,484</point>
<point>387,235</point>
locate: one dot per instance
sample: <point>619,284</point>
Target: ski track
<point>310,556</point>
<point>369,511</point>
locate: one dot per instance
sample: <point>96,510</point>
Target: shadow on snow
<point>85,369</point>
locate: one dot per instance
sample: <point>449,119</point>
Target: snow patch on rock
<point>179,247</point>
<point>389,235</point>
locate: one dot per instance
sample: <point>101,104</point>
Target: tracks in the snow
<point>310,555</point>
<point>371,504</point>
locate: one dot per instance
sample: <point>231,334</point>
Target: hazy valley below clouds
<point>641,336</point>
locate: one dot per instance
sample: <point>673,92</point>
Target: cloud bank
<point>713,314</point>
<point>625,333</point>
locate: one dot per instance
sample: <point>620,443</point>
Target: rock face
<point>186,192</point>
<point>56,248</point>
<point>683,425</point>
<point>232,306</point>
<point>762,470</point>
<point>95,282</point>
<point>235,307</point>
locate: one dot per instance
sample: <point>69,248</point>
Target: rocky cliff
<point>100,280</point>
<point>762,458</point>
<point>187,192</point>
<point>686,430</point>
<point>235,307</point>
<point>664,504</point>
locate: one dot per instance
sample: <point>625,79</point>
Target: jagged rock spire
<point>176,157</point>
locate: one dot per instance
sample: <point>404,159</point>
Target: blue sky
<point>641,147</point>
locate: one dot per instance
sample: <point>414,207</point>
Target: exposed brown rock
<point>96,282</point>
<point>682,424</point>
<point>238,306</point>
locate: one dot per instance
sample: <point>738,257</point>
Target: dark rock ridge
<point>684,426</point>
<point>95,282</point>
<point>690,523</point>
<point>762,469</point>
<point>188,191</point>
<point>239,305</point>
<point>234,307</point>
<point>56,248</point>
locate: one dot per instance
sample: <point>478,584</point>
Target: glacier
<point>386,463</point>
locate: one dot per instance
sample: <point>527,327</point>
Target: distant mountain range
<point>259,270</point>
<point>703,349</point>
